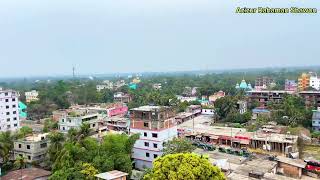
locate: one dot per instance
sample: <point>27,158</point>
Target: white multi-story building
<point>9,111</point>
<point>75,121</point>
<point>31,96</point>
<point>315,82</point>
<point>101,87</point>
<point>155,125</point>
<point>316,120</point>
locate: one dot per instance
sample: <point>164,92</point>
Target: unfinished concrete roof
<point>275,137</point>
<point>261,166</point>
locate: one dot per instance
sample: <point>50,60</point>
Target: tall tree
<point>183,166</point>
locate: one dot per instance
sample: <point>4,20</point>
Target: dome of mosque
<point>249,86</point>
<point>237,86</point>
<point>243,84</point>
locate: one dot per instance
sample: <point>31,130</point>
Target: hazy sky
<point>48,37</point>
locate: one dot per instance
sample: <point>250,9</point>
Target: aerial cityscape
<point>132,126</point>
<point>159,90</point>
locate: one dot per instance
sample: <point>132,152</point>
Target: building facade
<point>117,110</point>
<point>242,106</point>
<point>265,96</point>
<point>263,83</point>
<point>32,148</point>
<point>121,97</point>
<point>311,98</point>
<point>68,122</point>
<point>215,96</point>
<point>303,81</point>
<point>316,120</point>
<point>155,125</point>
<point>9,110</point>
<point>315,82</point>
<point>290,85</point>
<point>31,96</point>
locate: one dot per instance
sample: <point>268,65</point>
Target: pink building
<point>216,96</point>
<point>117,110</point>
<point>290,85</point>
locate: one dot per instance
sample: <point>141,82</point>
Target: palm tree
<point>20,163</point>
<point>72,135</point>
<point>84,131</point>
<point>6,145</point>
<point>56,144</point>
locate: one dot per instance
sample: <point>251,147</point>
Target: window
<point>147,155</point>
<point>7,100</point>
<point>14,112</point>
<point>8,126</point>
<point>154,135</point>
<point>155,156</point>
<point>93,125</point>
<point>146,144</point>
<point>7,107</point>
<point>146,124</point>
<point>63,128</point>
<point>8,119</point>
<point>15,125</point>
<point>155,145</point>
<point>145,134</point>
<point>15,118</point>
<point>14,106</point>
<point>6,94</point>
<point>8,113</point>
<point>43,145</point>
<point>13,99</point>
<point>62,120</point>
<point>19,145</point>
<point>28,146</point>
<point>29,157</point>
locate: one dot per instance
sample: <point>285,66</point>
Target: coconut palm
<point>6,145</point>
<point>56,144</point>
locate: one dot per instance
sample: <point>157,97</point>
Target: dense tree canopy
<point>81,157</point>
<point>291,111</point>
<point>183,166</point>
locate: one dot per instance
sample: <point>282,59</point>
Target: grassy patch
<point>311,150</point>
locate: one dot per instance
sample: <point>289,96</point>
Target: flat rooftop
<point>309,92</point>
<point>111,175</point>
<point>34,137</point>
<point>183,115</point>
<point>273,137</point>
<point>149,108</point>
<point>270,91</point>
<point>293,162</point>
<point>202,125</point>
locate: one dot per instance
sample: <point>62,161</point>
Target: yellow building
<point>136,80</point>
<point>31,96</point>
<point>303,81</point>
